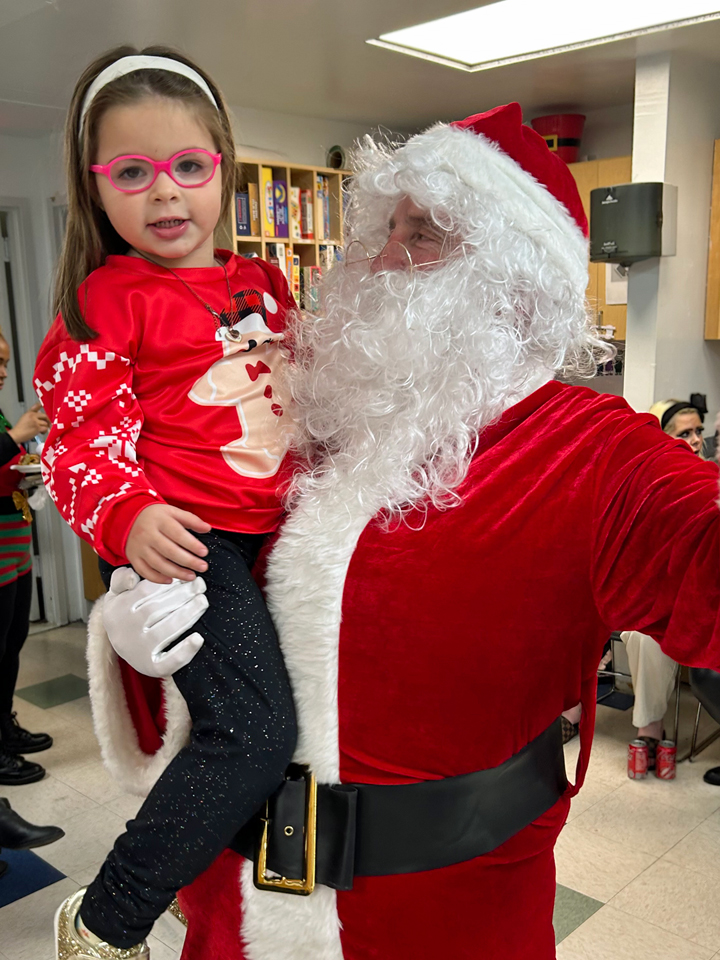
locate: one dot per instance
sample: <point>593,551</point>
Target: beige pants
<point>653,674</point>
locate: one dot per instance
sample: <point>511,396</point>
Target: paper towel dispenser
<point>633,221</point>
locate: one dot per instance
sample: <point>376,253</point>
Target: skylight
<point>509,31</point>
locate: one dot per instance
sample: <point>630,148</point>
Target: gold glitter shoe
<point>69,945</point>
<point>176,910</point>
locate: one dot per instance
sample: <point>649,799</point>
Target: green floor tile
<point>571,909</point>
<point>51,693</point>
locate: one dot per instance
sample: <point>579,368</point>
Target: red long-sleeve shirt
<point>166,404</point>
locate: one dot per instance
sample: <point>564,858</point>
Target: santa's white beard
<point>397,380</point>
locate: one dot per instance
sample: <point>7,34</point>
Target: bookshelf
<point>305,178</point>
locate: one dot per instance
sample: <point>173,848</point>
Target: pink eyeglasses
<point>134,174</point>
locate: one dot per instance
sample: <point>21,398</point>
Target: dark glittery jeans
<point>242,739</point>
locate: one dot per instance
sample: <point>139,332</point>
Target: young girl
<point>159,376</point>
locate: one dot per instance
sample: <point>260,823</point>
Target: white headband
<point>130,65</point>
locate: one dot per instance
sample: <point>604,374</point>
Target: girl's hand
<point>32,422</point>
<point>159,546</point>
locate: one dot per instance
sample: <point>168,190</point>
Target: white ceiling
<point>306,57</point>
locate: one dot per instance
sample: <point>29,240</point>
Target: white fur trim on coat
<point>305,582</point>
<point>486,168</point>
<point>134,770</point>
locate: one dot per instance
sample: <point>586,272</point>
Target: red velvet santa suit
<point>447,643</point>
<point>424,653</point>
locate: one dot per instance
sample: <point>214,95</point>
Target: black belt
<point>7,506</point>
<point>335,832</point>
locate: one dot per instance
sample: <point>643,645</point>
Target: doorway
<point>57,575</point>
<point>14,398</point>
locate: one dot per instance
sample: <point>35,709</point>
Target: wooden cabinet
<point>92,582</point>
<point>712,302</point>
<point>589,175</point>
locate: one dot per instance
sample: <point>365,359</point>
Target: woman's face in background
<point>687,427</point>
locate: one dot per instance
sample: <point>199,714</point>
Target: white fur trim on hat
<point>486,168</point>
<point>133,769</point>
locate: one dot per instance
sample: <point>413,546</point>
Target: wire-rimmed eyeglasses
<point>393,256</point>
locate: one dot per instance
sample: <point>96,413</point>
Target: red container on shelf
<point>562,133</point>
<point>637,759</point>
<point>665,757</point>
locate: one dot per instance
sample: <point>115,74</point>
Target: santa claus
<point>468,532</point>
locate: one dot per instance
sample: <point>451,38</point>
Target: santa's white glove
<point>143,618</point>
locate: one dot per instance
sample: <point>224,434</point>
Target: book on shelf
<point>254,204</point>
<point>322,193</point>
<point>294,276</point>
<point>281,208</point>
<point>306,215</point>
<point>326,208</point>
<point>328,254</point>
<point>277,256</point>
<point>294,213</point>
<point>288,265</point>
<point>310,289</point>
<point>267,202</point>
<point>319,200</point>
<point>242,214</point>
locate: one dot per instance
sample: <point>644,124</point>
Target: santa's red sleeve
<point>656,556</point>
<point>89,460</point>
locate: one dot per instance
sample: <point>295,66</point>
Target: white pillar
<point>676,120</point>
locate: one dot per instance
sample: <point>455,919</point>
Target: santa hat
<point>545,170</point>
<point>495,153</point>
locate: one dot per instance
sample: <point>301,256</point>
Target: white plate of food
<point>26,468</point>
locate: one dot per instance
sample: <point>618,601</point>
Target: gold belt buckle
<point>305,886</point>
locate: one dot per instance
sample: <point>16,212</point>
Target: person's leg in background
<point>15,600</point>
<point>570,721</point>
<point>653,676</point>
<point>16,833</point>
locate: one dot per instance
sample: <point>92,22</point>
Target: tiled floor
<point>638,864</point>
<point>76,794</point>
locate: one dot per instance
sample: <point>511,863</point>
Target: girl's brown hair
<point>90,237</point>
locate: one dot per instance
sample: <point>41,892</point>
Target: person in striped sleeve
<point>15,590</point>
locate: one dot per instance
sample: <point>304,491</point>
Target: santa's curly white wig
<point>397,379</point>
<point>526,240</point>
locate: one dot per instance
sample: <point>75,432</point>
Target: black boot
<point>15,739</point>
<point>3,867</point>
<point>713,776</point>
<point>15,771</point>
<point>17,834</point>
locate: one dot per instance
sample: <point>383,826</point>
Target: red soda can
<point>665,760</point>
<point>637,759</point>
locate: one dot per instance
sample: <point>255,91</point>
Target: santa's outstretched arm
<point>656,543</point>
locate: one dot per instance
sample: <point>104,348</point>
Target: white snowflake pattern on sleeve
<point>89,460</point>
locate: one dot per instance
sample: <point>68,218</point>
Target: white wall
<point>608,133</point>
<point>290,137</point>
<point>30,169</point>
<point>677,118</point>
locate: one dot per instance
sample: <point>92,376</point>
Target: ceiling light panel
<point>511,30</point>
